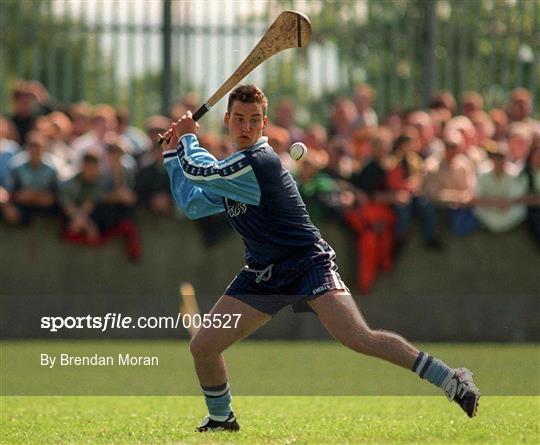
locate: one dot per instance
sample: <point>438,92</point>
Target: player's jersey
<point>259,197</point>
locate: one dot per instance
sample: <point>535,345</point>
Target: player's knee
<point>200,348</point>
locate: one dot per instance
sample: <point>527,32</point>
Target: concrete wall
<point>483,287</point>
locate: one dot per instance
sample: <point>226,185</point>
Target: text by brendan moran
<point>51,361</point>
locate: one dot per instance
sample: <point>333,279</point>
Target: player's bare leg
<point>207,346</point>
<point>343,320</point>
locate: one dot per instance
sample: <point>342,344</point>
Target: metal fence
<point>144,54</point>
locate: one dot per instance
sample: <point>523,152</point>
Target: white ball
<point>298,151</point>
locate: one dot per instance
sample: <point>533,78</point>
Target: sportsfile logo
<point>119,321</point>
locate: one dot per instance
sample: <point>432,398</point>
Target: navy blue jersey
<point>259,196</point>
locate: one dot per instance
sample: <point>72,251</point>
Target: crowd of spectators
<point>468,167</point>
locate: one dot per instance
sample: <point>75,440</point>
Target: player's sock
<point>432,369</point>
<point>218,400</point>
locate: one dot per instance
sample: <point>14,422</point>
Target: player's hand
<point>171,140</point>
<point>185,125</point>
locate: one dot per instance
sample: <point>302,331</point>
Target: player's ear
<point>265,121</point>
<point>226,118</point>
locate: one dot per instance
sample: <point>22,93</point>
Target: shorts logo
<point>325,286</point>
<point>235,208</point>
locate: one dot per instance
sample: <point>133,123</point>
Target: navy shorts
<point>291,282</point>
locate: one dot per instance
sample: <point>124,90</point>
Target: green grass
<point>269,420</point>
<point>284,393</point>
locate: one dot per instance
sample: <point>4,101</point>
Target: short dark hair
<point>248,94</point>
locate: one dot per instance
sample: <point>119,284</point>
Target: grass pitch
<point>269,420</point>
<point>284,393</point>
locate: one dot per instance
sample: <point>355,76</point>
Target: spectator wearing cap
<point>152,182</point>
<point>498,201</point>
<point>34,183</point>
<point>450,183</point>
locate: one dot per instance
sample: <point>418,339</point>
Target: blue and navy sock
<point>432,369</point>
<point>218,400</point>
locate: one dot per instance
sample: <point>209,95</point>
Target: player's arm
<point>194,202</point>
<point>231,178</point>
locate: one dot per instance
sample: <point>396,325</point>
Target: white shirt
<point>510,186</point>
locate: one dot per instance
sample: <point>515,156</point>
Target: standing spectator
<point>284,117</point>
<point>428,144</point>
<point>342,118</point>
<point>80,197</point>
<point>520,137</point>
<point>103,121</point>
<point>373,220</point>
<point>499,193</point>
<point>532,199</point>
<point>30,100</point>
<point>451,182</point>
<point>519,108</point>
<point>471,102</point>
<point>444,100</point>
<point>363,100</point>
<point>152,182</point>
<point>80,114</point>
<point>34,183</point>
<point>59,132</point>
<point>500,121</point>
<point>405,178</point>
<point>140,142</point>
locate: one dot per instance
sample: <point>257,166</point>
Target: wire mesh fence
<point>145,54</point>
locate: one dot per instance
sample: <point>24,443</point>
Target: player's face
<point>246,122</point>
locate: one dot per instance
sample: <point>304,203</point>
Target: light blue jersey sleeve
<point>231,178</point>
<point>192,200</point>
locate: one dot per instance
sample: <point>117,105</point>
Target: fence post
<point>428,50</point>
<point>166,74</point>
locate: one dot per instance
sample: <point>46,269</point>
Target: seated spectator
<point>34,184</point>
<point>451,182</point>
<point>532,198</point>
<point>152,182</point>
<point>405,177</point>
<point>498,202</point>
